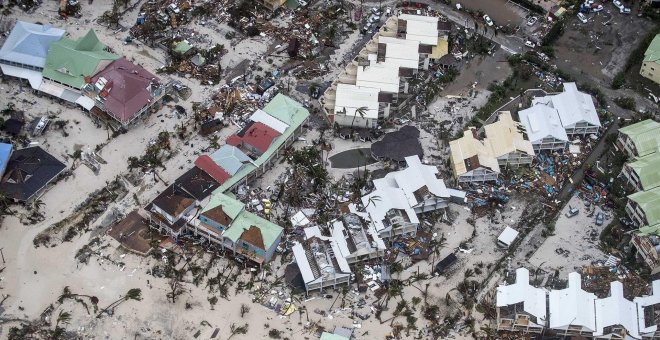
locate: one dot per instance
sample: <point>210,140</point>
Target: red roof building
<point>255,137</point>
<point>206,164</point>
<point>124,90</point>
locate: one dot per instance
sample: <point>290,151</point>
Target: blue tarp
<point>5,153</point>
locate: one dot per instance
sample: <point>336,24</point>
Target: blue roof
<point>28,43</point>
<point>5,153</point>
<point>230,158</point>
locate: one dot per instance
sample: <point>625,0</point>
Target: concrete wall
<point>651,70</point>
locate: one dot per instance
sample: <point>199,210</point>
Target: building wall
<point>582,129</point>
<point>548,143</point>
<point>373,254</point>
<point>515,159</point>
<point>624,143</point>
<point>651,70</point>
<point>478,175</point>
<point>329,282</point>
<point>211,223</point>
<point>271,251</point>
<point>430,204</point>
<point>345,120</point>
<point>636,214</point>
<point>632,178</point>
<point>645,250</point>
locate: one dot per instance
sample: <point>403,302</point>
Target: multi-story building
<point>642,173</point>
<point>521,307</point>
<point>479,160</point>
<point>651,64</point>
<point>23,55</point>
<point>543,128</point>
<point>639,139</point>
<point>321,264</point>
<point>643,208</point>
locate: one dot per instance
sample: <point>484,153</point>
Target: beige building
<point>479,160</point>
<point>651,64</point>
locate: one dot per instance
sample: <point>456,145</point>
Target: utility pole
<point>3,256</point>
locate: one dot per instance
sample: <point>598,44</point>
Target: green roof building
<point>651,64</point>
<point>640,139</point>
<point>254,237</point>
<point>643,208</point>
<point>644,172</point>
<point>70,61</point>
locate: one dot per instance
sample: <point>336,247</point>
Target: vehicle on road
<point>572,211</point>
<point>530,44</point>
<point>600,218</point>
<point>618,4</point>
<point>532,20</point>
<point>487,20</point>
<point>596,8</point>
<point>625,10</point>
<point>582,18</point>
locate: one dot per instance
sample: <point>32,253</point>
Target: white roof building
<point>643,302</point>
<point>533,299</point>
<point>351,97</point>
<point>421,28</point>
<point>616,310</point>
<point>415,189</point>
<point>264,118</point>
<point>320,262</point>
<point>542,124</point>
<point>572,308</point>
<point>572,106</point>
<point>382,76</point>
<point>401,52</point>
<point>507,237</point>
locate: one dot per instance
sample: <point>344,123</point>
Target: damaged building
<point>477,159</point>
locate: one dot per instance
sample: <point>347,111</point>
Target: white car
<point>598,8</point>
<point>582,18</point>
<point>625,10</point>
<point>530,44</point>
<point>487,20</point>
<point>618,4</point>
<point>531,21</point>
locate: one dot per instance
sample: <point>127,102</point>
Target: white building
<point>576,110</point>
<point>401,52</point>
<point>321,264</point>
<point>543,128</point>
<point>572,309</point>
<point>647,308</point>
<point>398,197</point>
<point>350,99</point>
<point>521,307</point>
<point>615,312</point>
<point>357,240</point>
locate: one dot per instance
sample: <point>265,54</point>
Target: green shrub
<point>619,80</point>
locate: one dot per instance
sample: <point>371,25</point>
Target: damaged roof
<point>572,106</point>
<point>28,171</point>
<point>242,228</point>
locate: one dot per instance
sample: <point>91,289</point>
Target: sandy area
<point>574,243</point>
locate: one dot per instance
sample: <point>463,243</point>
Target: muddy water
<point>500,11</point>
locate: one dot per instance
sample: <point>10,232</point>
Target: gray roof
<point>28,43</point>
<point>572,106</point>
<point>230,158</point>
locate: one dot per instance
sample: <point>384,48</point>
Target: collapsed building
<point>474,159</point>
<point>572,311</point>
<point>393,205</point>
<point>205,207</point>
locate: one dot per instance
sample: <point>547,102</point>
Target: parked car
<point>532,20</point>
<point>600,218</point>
<point>487,20</point>
<point>596,8</point>
<point>582,18</point>
<point>530,44</point>
<point>618,4</point>
<point>625,10</point>
<point>572,211</point>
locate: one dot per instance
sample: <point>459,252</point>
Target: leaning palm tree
<point>435,246</point>
<point>372,200</point>
<point>132,294</point>
<point>361,111</point>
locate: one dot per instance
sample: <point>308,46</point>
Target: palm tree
<point>435,249</point>
<point>132,294</point>
<point>361,111</point>
<point>372,200</point>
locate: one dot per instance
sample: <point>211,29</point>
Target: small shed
<point>507,237</point>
